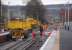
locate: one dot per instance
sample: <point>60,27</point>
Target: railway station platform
<point>52,43</point>
<point>57,43</point>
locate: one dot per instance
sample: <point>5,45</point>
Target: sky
<point>45,2</point>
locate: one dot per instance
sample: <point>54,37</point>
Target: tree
<point>35,9</point>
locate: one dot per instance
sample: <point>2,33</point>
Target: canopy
<point>24,2</point>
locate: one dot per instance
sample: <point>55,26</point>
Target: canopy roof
<point>24,2</point>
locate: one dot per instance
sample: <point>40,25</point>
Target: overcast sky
<point>24,2</point>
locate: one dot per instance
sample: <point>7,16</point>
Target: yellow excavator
<point>19,27</point>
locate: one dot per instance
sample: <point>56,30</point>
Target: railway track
<point>38,43</point>
<point>25,46</point>
<point>30,45</point>
<point>8,45</point>
<point>27,43</point>
<point>5,43</point>
<point>21,45</point>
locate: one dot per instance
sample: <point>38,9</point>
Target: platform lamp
<point>8,12</point>
<point>65,15</point>
<point>1,12</point>
<point>68,15</point>
<point>1,8</point>
<point>2,18</point>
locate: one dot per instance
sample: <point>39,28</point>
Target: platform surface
<point>57,43</point>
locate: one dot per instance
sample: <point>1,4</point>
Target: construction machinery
<point>19,28</point>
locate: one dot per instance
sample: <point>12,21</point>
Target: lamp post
<point>1,14</point>
<point>1,9</point>
<point>68,16</point>
<point>65,15</point>
<point>8,12</point>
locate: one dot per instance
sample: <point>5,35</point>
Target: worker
<point>33,35</point>
<point>45,27</point>
<point>41,30</point>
